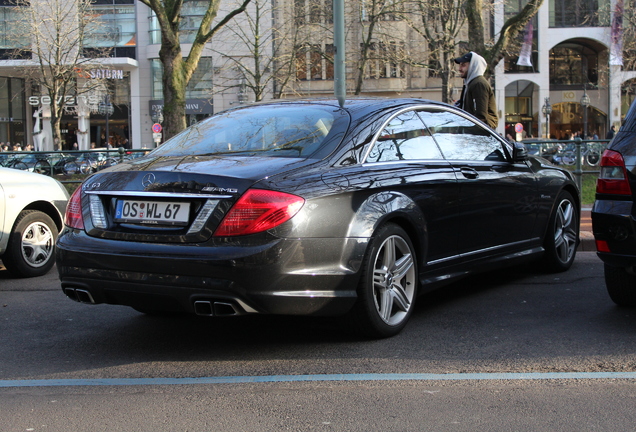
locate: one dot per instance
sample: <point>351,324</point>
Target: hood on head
<point>476,67</point>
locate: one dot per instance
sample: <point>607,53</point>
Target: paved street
<point>299,374</point>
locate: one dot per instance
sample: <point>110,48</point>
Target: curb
<point>587,243</point>
<point>586,236</point>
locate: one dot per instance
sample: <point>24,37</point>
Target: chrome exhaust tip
<point>203,308</point>
<point>215,308</point>
<point>225,309</point>
<point>79,295</point>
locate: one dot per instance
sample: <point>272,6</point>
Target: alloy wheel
<point>565,231</point>
<point>393,280</point>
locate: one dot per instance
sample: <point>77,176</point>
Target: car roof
<point>358,105</point>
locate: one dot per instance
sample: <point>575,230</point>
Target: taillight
<point>259,210</point>
<point>613,176</point>
<point>73,217</point>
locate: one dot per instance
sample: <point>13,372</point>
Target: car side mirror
<point>519,153</point>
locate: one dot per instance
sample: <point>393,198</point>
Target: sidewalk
<point>587,238</point>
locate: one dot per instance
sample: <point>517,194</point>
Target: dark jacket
<point>479,100</point>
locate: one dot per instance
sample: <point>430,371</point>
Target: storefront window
<point>12,110</point>
<point>568,118</point>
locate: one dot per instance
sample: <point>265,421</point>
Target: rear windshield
<point>283,130</point>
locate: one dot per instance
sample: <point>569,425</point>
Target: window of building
<point>192,13</point>
<point>9,27</point>
<point>315,62</point>
<point>628,95</point>
<point>385,60</point>
<point>381,10</point>
<point>313,12</point>
<point>329,60</point>
<point>573,65</point>
<point>301,63</point>
<point>111,25</point>
<point>12,115</point>
<point>434,67</point>
<point>579,13</point>
<point>199,87</point>
<point>111,29</point>
<point>299,12</point>
<point>526,58</point>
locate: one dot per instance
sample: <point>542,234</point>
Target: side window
<point>404,138</point>
<point>461,139</point>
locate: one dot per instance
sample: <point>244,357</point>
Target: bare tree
<point>373,15</point>
<point>628,29</point>
<point>56,30</point>
<point>178,70</point>
<point>440,23</point>
<point>260,52</point>
<point>494,51</point>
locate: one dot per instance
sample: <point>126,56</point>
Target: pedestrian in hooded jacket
<point>477,96</point>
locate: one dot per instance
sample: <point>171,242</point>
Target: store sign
<point>105,74</point>
<point>568,96</point>
<point>64,100</point>
<point>99,73</point>
<point>193,106</point>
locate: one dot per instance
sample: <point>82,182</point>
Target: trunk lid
<point>172,199</point>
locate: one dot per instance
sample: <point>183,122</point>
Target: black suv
<point>614,213</point>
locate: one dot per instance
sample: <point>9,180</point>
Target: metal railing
<point>70,166</point>
<point>579,156</point>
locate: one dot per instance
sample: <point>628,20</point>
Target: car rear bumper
<point>613,224</point>
<point>281,276</point>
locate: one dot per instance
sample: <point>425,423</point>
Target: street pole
<point>339,42</point>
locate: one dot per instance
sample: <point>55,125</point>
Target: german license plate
<point>152,212</point>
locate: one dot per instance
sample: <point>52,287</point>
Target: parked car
<point>31,210</point>
<point>613,214</point>
<point>309,208</point>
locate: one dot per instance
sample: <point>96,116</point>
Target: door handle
<point>469,173</point>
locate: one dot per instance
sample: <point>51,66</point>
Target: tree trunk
<point>174,86</point>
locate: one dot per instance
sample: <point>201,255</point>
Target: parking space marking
<point>316,378</point>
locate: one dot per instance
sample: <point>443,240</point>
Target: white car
<point>31,215</point>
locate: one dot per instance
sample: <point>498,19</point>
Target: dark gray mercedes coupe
<point>309,208</point>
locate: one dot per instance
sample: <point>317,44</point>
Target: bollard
<point>122,152</point>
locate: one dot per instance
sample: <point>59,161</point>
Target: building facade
<point>570,81</point>
<point>564,81</point>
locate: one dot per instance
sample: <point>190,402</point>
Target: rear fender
<point>383,207</point>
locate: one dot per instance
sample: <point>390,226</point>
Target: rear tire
<point>562,235</point>
<point>621,285</point>
<point>31,247</point>
<point>388,285</point>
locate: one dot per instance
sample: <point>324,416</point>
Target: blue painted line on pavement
<point>315,378</point>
